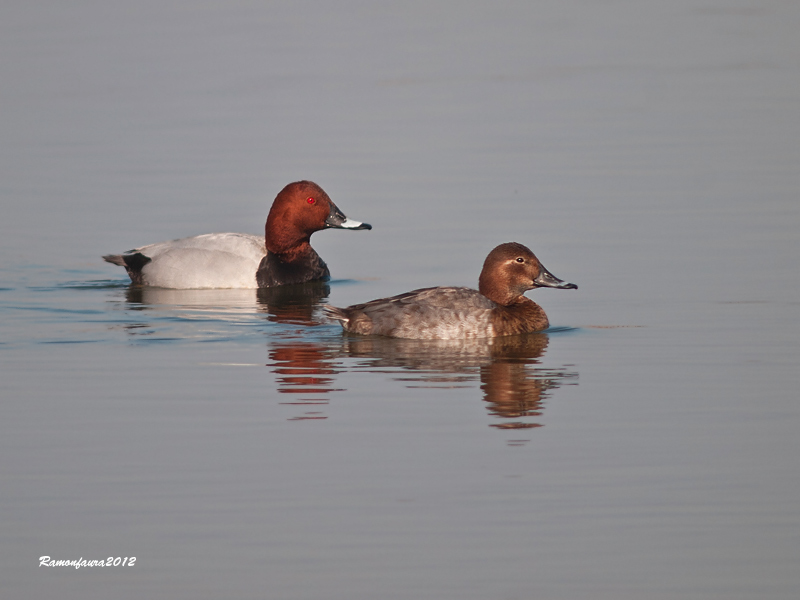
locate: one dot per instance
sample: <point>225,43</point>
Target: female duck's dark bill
<point>337,220</point>
<point>546,279</point>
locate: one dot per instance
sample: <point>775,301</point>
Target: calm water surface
<point>238,445</point>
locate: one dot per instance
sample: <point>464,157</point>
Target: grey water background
<point>240,446</point>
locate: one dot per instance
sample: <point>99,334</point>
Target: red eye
<point>310,200</point>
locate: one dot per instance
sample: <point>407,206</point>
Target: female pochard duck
<point>497,308</point>
<point>243,260</point>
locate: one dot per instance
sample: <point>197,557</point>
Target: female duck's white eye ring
<point>520,259</point>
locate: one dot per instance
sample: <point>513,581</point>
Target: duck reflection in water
<point>306,372</point>
<point>290,304</point>
<point>293,304</point>
<point>303,369</point>
<point>513,386</point>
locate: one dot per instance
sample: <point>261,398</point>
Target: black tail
<point>133,263</point>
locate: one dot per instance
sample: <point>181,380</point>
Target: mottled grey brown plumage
<point>498,308</point>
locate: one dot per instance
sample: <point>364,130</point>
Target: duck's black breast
<point>307,267</point>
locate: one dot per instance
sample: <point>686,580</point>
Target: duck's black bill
<point>337,220</point>
<point>547,279</point>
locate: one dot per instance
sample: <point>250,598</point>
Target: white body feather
<point>212,260</point>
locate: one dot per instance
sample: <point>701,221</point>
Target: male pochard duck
<point>243,260</point>
<point>497,308</point>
